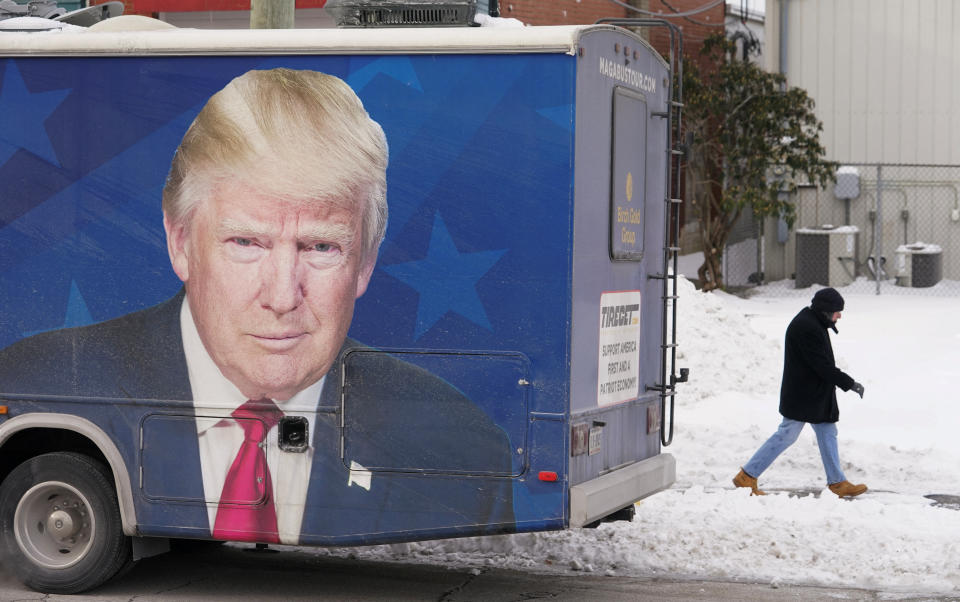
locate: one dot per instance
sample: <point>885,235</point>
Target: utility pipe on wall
<point>784,22</point>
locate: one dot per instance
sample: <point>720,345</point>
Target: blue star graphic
<point>77,314</point>
<point>22,115</point>
<point>398,67</point>
<point>561,115</point>
<point>446,280</point>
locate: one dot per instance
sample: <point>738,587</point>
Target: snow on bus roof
<point>36,25</point>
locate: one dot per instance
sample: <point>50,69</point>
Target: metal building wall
<point>885,74</point>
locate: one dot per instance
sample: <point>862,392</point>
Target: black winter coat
<point>810,376</point>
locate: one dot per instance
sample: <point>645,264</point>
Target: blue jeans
<point>785,436</point>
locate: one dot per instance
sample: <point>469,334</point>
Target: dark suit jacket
<point>810,375</point>
<point>440,467</point>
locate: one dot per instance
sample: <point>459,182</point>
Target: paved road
<point>230,573</point>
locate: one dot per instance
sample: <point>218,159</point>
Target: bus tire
<point>60,527</point>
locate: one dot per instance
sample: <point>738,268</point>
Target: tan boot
<point>744,480</point>
<point>847,489</point>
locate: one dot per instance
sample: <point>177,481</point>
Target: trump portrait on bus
<point>242,409</point>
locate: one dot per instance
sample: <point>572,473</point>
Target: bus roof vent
<point>402,13</point>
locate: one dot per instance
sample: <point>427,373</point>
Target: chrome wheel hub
<point>53,525</point>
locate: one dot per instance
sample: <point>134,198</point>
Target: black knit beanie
<point>827,300</point>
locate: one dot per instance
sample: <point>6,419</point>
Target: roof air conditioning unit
<point>402,13</point>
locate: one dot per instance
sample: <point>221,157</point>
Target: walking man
<point>808,395</point>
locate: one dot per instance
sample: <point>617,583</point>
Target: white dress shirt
<point>215,398</point>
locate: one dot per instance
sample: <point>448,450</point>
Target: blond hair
<point>303,136</point>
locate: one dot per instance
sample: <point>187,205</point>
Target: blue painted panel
<point>476,257</point>
<point>610,75</point>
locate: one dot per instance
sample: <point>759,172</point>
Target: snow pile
<point>874,542</point>
<point>485,20</point>
<point>721,349</point>
<point>37,25</point>
<point>728,535</point>
<point>900,439</point>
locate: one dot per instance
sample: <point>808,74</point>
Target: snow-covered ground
<point>901,439</point>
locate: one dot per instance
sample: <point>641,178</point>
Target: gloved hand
<point>858,389</point>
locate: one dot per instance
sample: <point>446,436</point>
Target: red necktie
<point>239,516</point>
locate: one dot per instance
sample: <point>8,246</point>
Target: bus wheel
<point>60,528</point>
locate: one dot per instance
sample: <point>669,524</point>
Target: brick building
<point>695,28</point>
<point>563,12</point>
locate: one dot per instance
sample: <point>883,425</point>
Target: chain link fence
<point>888,229</point>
